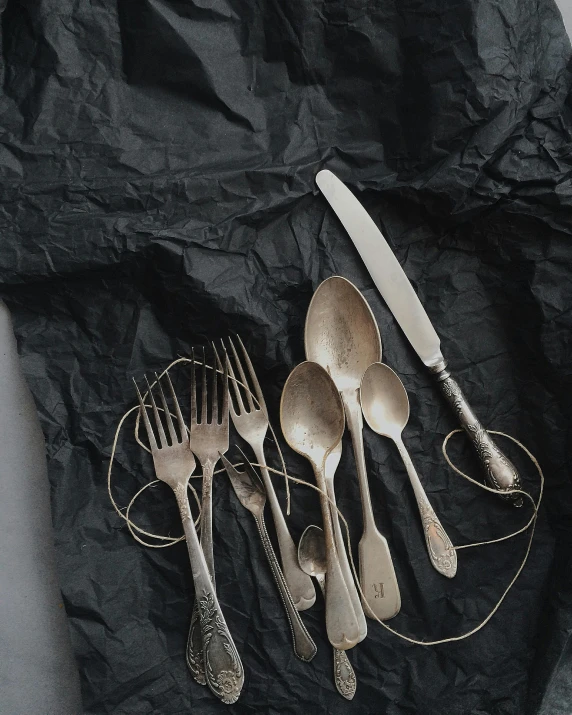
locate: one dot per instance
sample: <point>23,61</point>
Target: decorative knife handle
<point>223,667</point>
<point>500,472</point>
<point>344,676</point>
<point>304,646</point>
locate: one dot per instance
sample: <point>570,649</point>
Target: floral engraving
<point>344,675</point>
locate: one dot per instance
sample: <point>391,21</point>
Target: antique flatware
<point>407,309</point>
<point>251,422</point>
<point>332,462</point>
<point>342,336</point>
<point>251,493</point>
<point>312,557</point>
<point>312,419</point>
<point>174,464</point>
<point>209,439</point>
<point>386,410</point>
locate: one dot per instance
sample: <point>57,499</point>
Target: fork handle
<point>299,583</point>
<point>304,646</point>
<point>223,667</point>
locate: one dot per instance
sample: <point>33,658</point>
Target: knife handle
<point>500,472</point>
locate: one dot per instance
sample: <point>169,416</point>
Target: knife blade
<point>397,291</point>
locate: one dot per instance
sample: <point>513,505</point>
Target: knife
<point>406,307</point>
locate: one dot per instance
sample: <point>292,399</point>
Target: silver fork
<point>209,439</point>
<point>252,425</point>
<point>174,464</point>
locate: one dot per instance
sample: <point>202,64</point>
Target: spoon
<point>386,410</point>
<point>341,335</point>
<point>312,560</point>
<point>332,462</point>
<point>312,419</point>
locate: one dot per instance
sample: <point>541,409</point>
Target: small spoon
<point>312,419</point>
<point>332,462</point>
<point>386,410</point>
<point>312,560</point>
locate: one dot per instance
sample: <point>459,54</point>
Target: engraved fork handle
<point>344,676</point>
<point>304,646</point>
<point>299,583</point>
<point>500,472</point>
<point>194,651</point>
<point>223,667</point>
<point>441,552</point>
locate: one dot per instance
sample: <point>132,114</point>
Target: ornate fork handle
<point>500,472</point>
<point>223,667</point>
<point>304,646</point>
<point>194,651</point>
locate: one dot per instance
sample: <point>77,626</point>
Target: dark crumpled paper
<point>157,191</point>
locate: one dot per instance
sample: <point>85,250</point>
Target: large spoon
<point>386,410</point>
<point>312,560</point>
<point>341,335</point>
<point>312,419</point>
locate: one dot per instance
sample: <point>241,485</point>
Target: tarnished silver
<point>407,309</point>
<point>251,493</point>
<point>209,439</point>
<point>332,462</point>
<point>312,419</point>
<point>312,558</point>
<point>251,422</point>
<point>174,464</point>
<point>341,335</point>
<point>386,410</point>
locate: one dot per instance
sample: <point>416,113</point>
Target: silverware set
<point>342,382</point>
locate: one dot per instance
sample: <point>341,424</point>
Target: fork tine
<point>144,415</point>
<point>225,395</point>
<point>255,383</point>
<point>160,430</point>
<point>170,425</point>
<point>180,419</point>
<point>214,396</point>
<point>242,376</point>
<point>193,390</point>
<point>204,395</point>
<point>237,395</point>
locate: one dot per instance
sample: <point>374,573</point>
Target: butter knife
<point>407,309</point>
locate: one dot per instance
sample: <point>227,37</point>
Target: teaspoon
<point>386,409</point>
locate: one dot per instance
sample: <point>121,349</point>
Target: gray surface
<point>565,7</point>
<point>38,673</point>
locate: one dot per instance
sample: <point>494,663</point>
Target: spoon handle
<point>376,572</point>
<point>304,646</point>
<point>344,562</point>
<point>341,622</point>
<point>344,676</point>
<point>441,552</point>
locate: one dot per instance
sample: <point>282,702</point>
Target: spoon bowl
<point>311,412</point>
<point>341,333</point>
<point>384,400</point>
<point>312,552</point>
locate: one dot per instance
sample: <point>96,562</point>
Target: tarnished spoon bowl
<point>311,413</point>
<point>312,552</point>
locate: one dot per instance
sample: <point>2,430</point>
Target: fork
<point>174,463</point>
<point>252,425</point>
<point>209,439</point>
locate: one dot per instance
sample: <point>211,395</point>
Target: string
<point>170,541</point>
